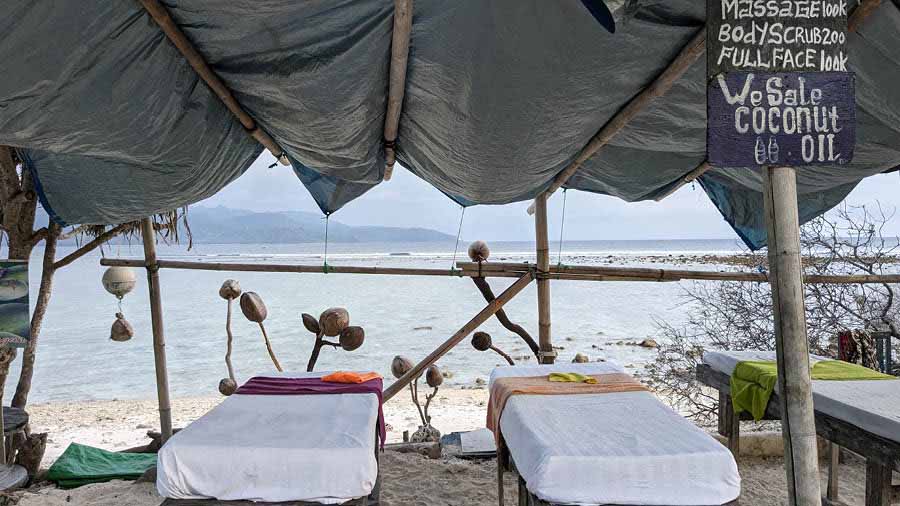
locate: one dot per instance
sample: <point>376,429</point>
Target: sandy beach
<point>409,479</point>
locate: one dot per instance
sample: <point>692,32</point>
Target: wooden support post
<point>879,491</point>
<point>546,355</point>
<point>397,84</point>
<point>834,460</point>
<point>466,329</point>
<point>159,337</point>
<point>792,346</point>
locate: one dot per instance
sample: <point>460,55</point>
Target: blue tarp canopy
<point>500,96</point>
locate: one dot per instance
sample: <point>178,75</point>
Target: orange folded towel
<point>350,377</point>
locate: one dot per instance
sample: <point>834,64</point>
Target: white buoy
<point>119,281</point>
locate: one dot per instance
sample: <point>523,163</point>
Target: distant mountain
<point>223,225</point>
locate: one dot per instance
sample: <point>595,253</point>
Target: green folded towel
<point>571,377</point>
<point>753,382</point>
<point>80,465</point>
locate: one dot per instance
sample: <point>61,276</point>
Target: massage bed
<point>862,416</point>
<point>609,448</point>
<point>276,449</point>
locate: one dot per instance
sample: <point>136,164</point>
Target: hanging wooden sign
<point>15,320</point>
<point>780,119</point>
<point>778,88</point>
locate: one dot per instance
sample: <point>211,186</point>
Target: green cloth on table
<point>80,465</point>
<point>571,377</point>
<point>753,382</point>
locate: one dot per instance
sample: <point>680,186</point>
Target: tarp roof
<point>500,96</point>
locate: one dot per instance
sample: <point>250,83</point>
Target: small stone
<point>570,339</point>
<point>620,343</point>
<point>581,358</point>
<point>649,343</point>
<point>480,382</point>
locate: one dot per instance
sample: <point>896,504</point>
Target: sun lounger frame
<point>506,463</point>
<point>882,455</point>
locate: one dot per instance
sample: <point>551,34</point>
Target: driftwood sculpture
<point>229,291</point>
<point>434,378</point>
<point>481,341</point>
<point>255,310</point>
<point>479,252</point>
<point>333,322</point>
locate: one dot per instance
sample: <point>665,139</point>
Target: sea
<point>401,315</point>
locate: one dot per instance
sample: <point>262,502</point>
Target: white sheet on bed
<point>869,405</point>
<point>619,448</point>
<point>318,448</point>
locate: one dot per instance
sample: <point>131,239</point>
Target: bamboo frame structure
<point>161,15</point>
<point>159,337</point>
<point>397,84</point>
<point>546,354</point>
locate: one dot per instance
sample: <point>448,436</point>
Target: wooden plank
<point>214,502</point>
<point>161,15</point>
<point>156,320</point>
<point>456,338</point>
<point>397,83</point>
<point>546,355</point>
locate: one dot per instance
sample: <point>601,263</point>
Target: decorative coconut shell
<point>121,330</point>
<point>352,338</point>
<point>400,366</point>
<point>230,289</point>
<point>310,322</point>
<point>119,281</point>
<point>479,251</point>
<point>433,376</point>
<point>253,307</point>
<point>481,341</point>
<point>333,321</point>
<point>227,386</point>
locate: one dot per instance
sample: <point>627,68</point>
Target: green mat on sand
<point>80,465</point>
<point>753,382</point>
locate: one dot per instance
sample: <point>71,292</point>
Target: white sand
<point>408,480</point>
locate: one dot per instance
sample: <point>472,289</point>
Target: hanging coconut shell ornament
<point>333,321</point>
<point>254,309</point>
<point>434,377</point>
<point>479,251</point>
<point>121,330</point>
<point>352,338</point>
<point>227,386</point>
<point>400,366</point>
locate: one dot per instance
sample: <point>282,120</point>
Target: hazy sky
<point>407,201</point>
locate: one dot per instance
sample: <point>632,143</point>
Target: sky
<point>407,201</point>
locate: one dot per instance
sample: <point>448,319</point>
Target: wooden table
<point>882,455</point>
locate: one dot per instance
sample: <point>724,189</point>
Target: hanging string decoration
<point>462,215</point>
<point>119,281</point>
<point>229,291</point>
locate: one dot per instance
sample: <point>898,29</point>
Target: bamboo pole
<point>546,354</point>
<point>397,84</point>
<point>513,270</point>
<point>300,269</point>
<point>656,89</point>
<point>159,338</point>
<point>161,15</point>
<point>466,329</point>
<point>792,346</point>
<point>687,179</point>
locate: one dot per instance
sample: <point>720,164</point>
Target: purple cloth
<point>260,385</point>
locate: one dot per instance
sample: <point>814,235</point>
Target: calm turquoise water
<point>401,315</point>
